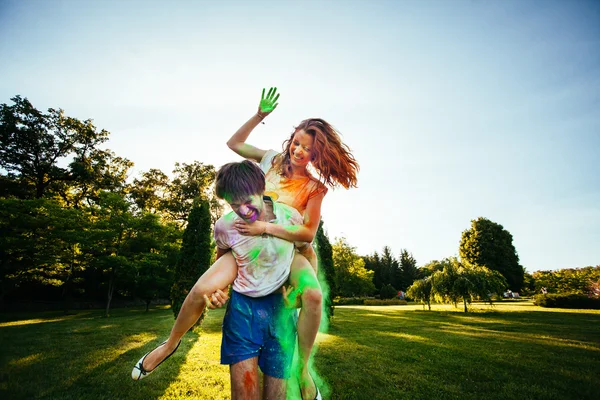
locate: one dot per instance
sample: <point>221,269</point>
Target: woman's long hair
<point>330,157</point>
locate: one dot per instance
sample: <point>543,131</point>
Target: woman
<point>288,180</point>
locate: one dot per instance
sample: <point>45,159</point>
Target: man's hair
<point>239,179</point>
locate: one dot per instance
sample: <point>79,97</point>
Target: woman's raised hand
<point>268,103</point>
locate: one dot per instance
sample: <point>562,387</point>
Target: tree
<point>373,263</point>
<point>92,171</point>
<point>429,269</point>
<point>33,144</point>
<point>388,292</point>
<point>112,228</point>
<point>194,257</point>
<point>422,290</point>
<point>150,193</point>
<point>460,281</point>
<point>39,244</point>
<point>351,276</point>
<point>488,244</point>
<point>151,251</point>
<point>191,181</point>
<point>389,270</point>
<point>408,270</point>
<point>568,280</point>
<point>326,269</point>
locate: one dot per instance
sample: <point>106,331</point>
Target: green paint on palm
<point>269,103</point>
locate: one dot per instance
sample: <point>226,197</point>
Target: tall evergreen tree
<point>408,268</point>
<point>326,270</point>
<point>389,268</point>
<point>373,263</point>
<point>194,258</point>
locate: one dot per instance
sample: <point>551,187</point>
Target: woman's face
<point>301,149</point>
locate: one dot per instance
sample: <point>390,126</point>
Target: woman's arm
<point>293,233</point>
<point>238,143</point>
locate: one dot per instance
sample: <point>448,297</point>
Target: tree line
<point>74,229</point>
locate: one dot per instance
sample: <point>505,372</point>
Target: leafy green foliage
<point>567,300</point>
<point>569,280</point>
<point>326,269</point>
<point>460,281</point>
<point>388,292</point>
<point>39,243</point>
<point>385,302</point>
<point>351,276</point>
<point>33,144</point>
<point>191,182</point>
<point>195,256</point>
<point>429,269</point>
<point>488,244</point>
<point>422,290</point>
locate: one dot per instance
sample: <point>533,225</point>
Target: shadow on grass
<point>396,354</point>
<point>86,355</point>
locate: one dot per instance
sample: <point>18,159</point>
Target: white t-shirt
<point>263,261</point>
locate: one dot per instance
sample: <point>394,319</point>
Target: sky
<point>454,109</point>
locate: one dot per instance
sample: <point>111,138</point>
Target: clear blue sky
<point>454,109</point>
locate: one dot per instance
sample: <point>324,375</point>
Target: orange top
<point>294,192</point>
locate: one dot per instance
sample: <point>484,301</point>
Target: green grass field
<point>511,351</point>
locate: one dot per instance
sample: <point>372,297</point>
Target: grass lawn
<point>513,350</point>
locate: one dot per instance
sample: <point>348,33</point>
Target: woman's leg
<point>304,280</point>
<point>221,274</point>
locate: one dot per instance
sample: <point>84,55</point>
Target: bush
<point>349,301</point>
<point>389,302</point>
<point>567,300</point>
<point>367,301</point>
<point>388,292</point>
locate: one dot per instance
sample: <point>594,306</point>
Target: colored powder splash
<point>293,386</point>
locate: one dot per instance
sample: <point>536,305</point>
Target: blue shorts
<point>259,327</point>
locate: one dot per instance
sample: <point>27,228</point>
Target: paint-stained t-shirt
<point>263,261</point>
<point>294,192</point>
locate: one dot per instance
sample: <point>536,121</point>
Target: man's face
<point>248,208</point>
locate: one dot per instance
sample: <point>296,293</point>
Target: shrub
<point>566,300</point>
<point>389,302</point>
<point>388,292</point>
<point>349,301</point>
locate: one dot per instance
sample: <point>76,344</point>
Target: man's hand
<point>253,229</point>
<point>269,103</point>
<point>216,300</point>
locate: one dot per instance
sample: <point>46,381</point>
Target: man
<point>258,330</point>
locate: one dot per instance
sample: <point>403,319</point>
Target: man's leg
<point>244,380</point>
<point>304,280</point>
<point>218,276</point>
<point>274,388</point>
